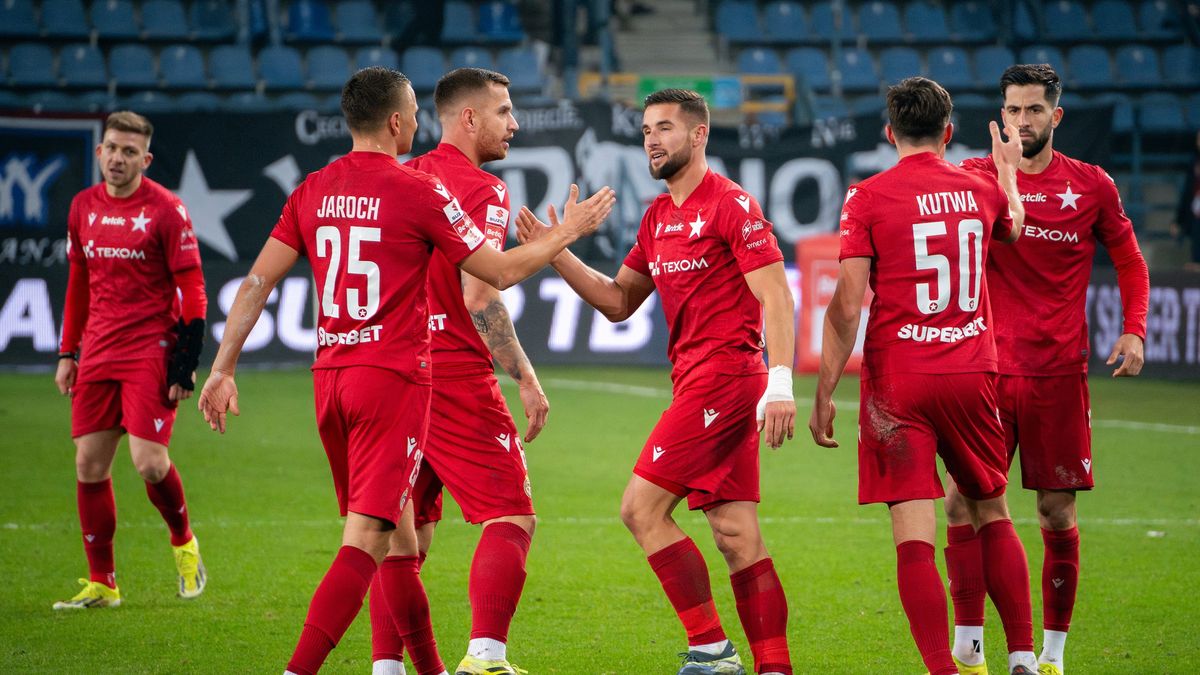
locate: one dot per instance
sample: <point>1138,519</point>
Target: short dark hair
<point>127,120</point>
<point>460,81</point>
<point>1032,73</point>
<point>370,96</point>
<point>918,109</point>
<point>691,103</point>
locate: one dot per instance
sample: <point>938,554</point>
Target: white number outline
<point>329,244</point>
<point>968,292</point>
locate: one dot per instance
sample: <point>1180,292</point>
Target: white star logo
<point>140,221</point>
<point>1068,199</point>
<point>209,207</point>
<point>695,225</point>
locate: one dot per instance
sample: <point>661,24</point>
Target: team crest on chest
<point>696,225</point>
<point>1069,198</point>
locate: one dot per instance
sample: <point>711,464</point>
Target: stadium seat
<point>55,100</point>
<point>1122,120</point>
<point>975,102</point>
<point>357,22</point>
<point>1192,107</point>
<point>472,57</point>
<point>97,100</point>
<point>1181,65</point>
<point>950,67</point>
<point>499,22</point>
<point>1138,67</point>
<point>232,67</point>
<point>149,102</point>
<point>328,68</point>
<point>308,22</point>
<point>879,21</point>
<point>1161,113</point>
<point>1044,54</point>
<point>523,68</point>
<point>281,68</point>
<point>784,22</point>
<point>1065,21</point>
<point>211,21</point>
<point>11,100</point>
<point>17,20</point>
<point>182,67</point>
<point>867,105</point>
<point>132,67</point>
<point>810,67</point>
<point>973,21</point>
<point>825,107</point>
<point>458,23</point>
<point>399,19</point>
<point>926,22</point>
<point>423,66</point>
<point>376,56</point>
<point>858,71</point>
<point>248,101</point>
<point>737,22</point>
<point>759,61</point>
<point>824,25</point>
<point>1159,21</point>
<point>64,19</point>
<point>198,101</point>
<point>990,63</point>
<point>1024,26</point>
<point>1113,20</point>
<point>897,63</point>
<point>164,20</point>
<point>113,20</point>
<point>297,101</point>
<point>82,65</point>
<point>1090,67</point>
<point>31,64</point>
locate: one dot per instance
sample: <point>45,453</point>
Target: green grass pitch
<point>264,510</point>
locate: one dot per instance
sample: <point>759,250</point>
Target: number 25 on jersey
<point>329,245</point>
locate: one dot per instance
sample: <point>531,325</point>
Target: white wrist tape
<point>779,388</point>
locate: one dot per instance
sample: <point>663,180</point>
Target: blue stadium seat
<point>825,107</point>
<point>1138,67</point>
<point>164,20</point>
<point>951,68</point>
<point>499,22</point>
<point>281,68</point>
<point>328,68</point>
<point>1122,120</point>
<point>211,21</point>
<point>97,100</point>
<point>64,19</point>
<point>1181,65</point>
<point>1045,54</point>
<point>737,21</point>
<point>990,63</point>
<point>232,67</point>
<point>55,100</point>
<point>975,102</point>
<point>784,22</point>
<point>198,101</point>
<point>1192,107</point>
<point>523,68</point>
<point>897,63</point>
<point>182,67</point>
<point>308,22</point>
<point>759,61</point>
<point>1159,21</point>
<point>458,23</point>
<point>248,101</point>
<point>1090,67</point>
<point>867,105</point>
<point>825,26</point>
<point>472,57</point>
<point>82,65</point>
<point>1161,113</point>
<point>330,105</point>
<point>1065,21</point>
<point>810,67</point>
<point>973,21</point>
<point>149,102</point>
<point>17,20</point>
<point>926,22</point>
<point>297,101</point>
<point>357,22</point>
<point>31,64</point>
<point>858,71</point>
<point>423,66</point>
<point>1113,20</point>
<point>1025,28</point>
<point>376,56</point>
<point>879,21</point>
<point>11,100</point>
<point>132,67</point>
<point>399,17</point>
<point>113,20</point>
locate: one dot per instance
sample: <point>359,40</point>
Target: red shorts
<point>1050,419</point>
<point>372,423</point>
<point>474,450</point>
<point>705,445</point>
<point>907,419</point>
<point>132,395</point>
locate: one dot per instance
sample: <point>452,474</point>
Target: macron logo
<point>1087,465</point>
<point>658,452</point>
<point>91,219</point>
<point>743,201</point>
<point>503,440</point>
<point>709,416</point>
<point>158,424</point>
<point>442,191</point>
<point>1058,583</point>
<point>499,191</point>
<point>412,445</point>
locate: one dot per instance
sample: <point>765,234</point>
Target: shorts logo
<point>90,537</point>
<point>158,424</point>
<point>528,488</point>
<point>709,416</point>
<point>657,453</point>
<point>505,442</point>
<point>1087,465</point>
<point>1057,583</point>
<point>412,445</point>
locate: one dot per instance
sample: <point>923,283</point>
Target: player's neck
<point>125,190</point>
<point>906,150</point>
<point>1038,162</point>
<point>683,184</point>
<point>466,148</point>
<point>382,143</point>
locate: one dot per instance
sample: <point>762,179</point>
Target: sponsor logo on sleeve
<point>750,227</point>
<point>497,215</point>
<point>453,211</point>
<point>467,231</point>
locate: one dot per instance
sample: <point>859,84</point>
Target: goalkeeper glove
<point>186,356</point>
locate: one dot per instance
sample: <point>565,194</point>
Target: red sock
<point>497,577</point>
<point>964,566</point>
<point>763,610</point>
<point>1060,577</point>
<point>924,601</point>
<point>98,520</point>
<point>684,576</point>
<point>167,497</point>
<point>386,642</point>
<point>334,606</point>
<point>409,607</point>
<point>1006,572</point>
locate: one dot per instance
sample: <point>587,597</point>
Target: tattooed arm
<point>496,328</point>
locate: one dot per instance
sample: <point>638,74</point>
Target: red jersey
<point>368,226</point>
<point>926,225</point>
<point>1039,284</point>
<point>697,254</point>
<point>131,248</point>
<point>457,347</point>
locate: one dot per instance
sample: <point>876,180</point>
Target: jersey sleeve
<point>741,223</point>
<point>979,164</point>
<point>74,252</point>
<point>636,258</point>
<point>180,247</point>
<point>1113,228</point>
<point>442,221</point>
<point>488,207</point>
<point>287,229</point>
<point>855,225</point>
<point>1003,227</point>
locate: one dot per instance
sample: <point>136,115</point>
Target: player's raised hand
<point>1006,153</point>
<point>219,396</point>
<point>64,377</point>
<point>1131,347</point>
<point>821,423</point>
<point>529,228</point>
<point>583,218</point>
<point>537,408</point>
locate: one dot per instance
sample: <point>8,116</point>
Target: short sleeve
<point>636,258</point>
<point>746,231</point>
<point>441,220</point>
<point>855,225</point>
<point>979,164</point>
<point>1113,228</point>
<point>488,207</point>
<point>74,253</point>
<point>287,229</point>
<point>180,246</point>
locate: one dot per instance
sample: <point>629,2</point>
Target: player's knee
<point>89,470</point>
<point>153,471</point>
<point>1057,513</point>
<point>956,508</point>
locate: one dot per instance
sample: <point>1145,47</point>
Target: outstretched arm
<point>837,342</point>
